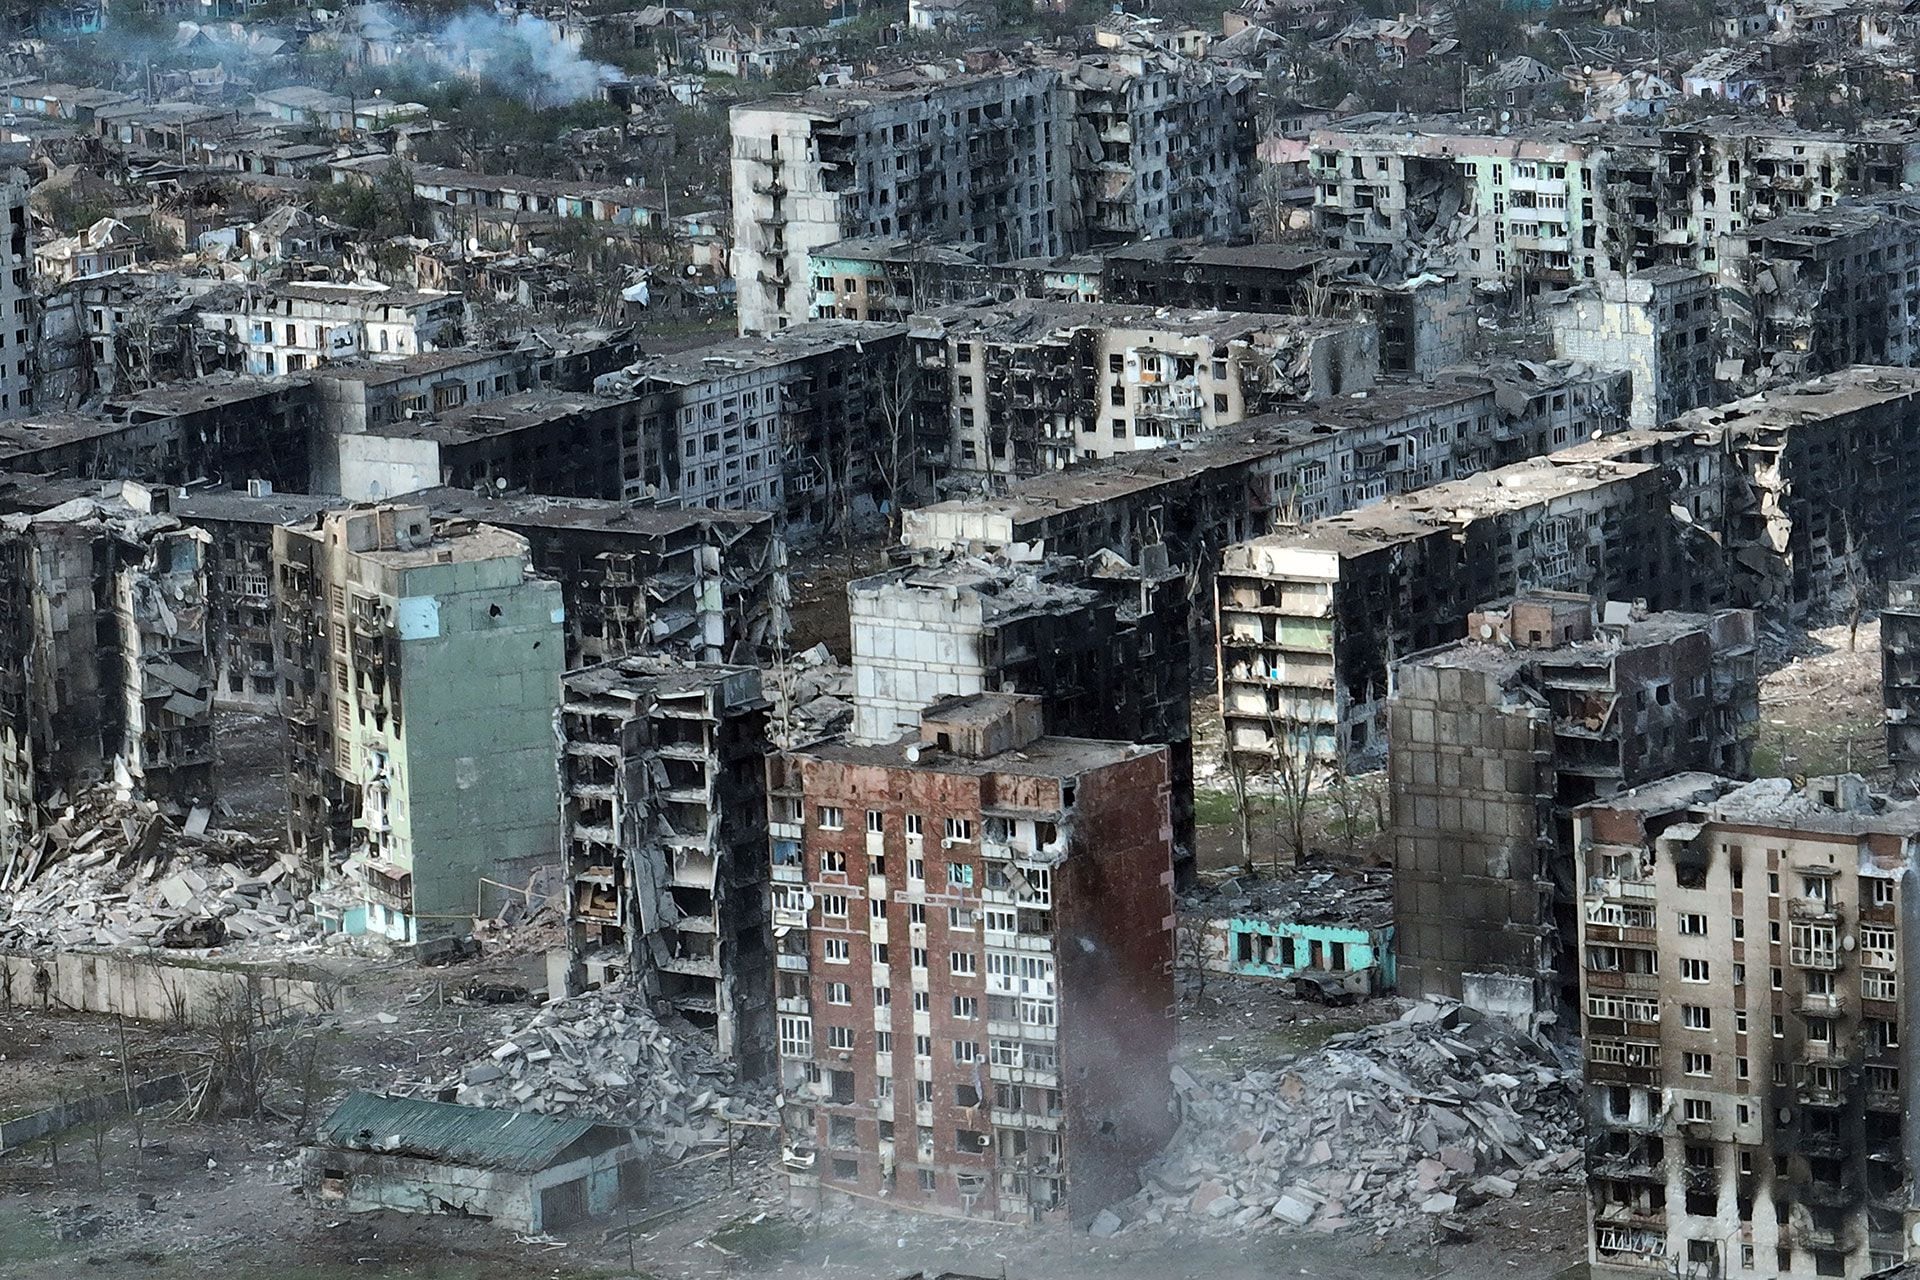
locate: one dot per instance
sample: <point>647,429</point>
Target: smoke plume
<point>521,54</point>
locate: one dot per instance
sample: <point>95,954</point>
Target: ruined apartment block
<point>1310,621</point>
<point>1900,680</point>
<point>1548,205</point>
<point>810,423</point>
<point>103,659</point>
<point>1160,146</point>
<point>422,679</point>
<point>1103,644</point>
<point>699,584</point>
<point>1661,325</point>
<point>1818,476</point>
<point>974,953</point>
<point>1743,1009</point>
<point>1036,386</point>
<point>1553,700</point>
<point>17,339</point>
<point>1816,290</point>
<point>970,158</point>
<point>1191,501</point>
<point>663,783</point>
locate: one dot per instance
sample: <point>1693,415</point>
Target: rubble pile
<point>603,1054</point>
<point>812,697</point>
<point>114,870</point>
<point>1381,1129</point>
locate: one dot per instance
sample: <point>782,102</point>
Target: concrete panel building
<point>1661,325</point>
<point>1745,1015</point>
<point>1552,701</point>
<point>422,677</point>
<point>1036,386</point>
<point>663,786</point>
<point>1900,680</point>
<point>974,947</point>
<point>103,659</point>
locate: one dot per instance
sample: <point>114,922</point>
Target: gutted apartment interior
<point>664,792</point>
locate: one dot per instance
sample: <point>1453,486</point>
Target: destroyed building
<point>520,1171</point>
<point>704,585</point>
<point>1815,290</point>
<point>291,327</point>
<point>1552,701</point>
<point>1551,204</point>
<point>663,786</point>
<point>809,169</point>
<point>1104,645</point>
<point>1310,620</point>
<point>1329,935</point>
<point>1125,144</point>
<point>1900,680</point>
<point>103,659</point>
<point>1309,462</point>
<point>1037,386</point>
<point>17,346</point>
<point>1744,995</point>
<point>814,423</point>
<point>1661,325</point>
<point>422,677</point>
<point>985,917</point>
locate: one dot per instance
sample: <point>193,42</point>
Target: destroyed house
<point>520,1171</point>
<point>664,797</point>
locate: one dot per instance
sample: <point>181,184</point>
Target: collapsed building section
<point>1900,680</point>
<point>422,678</point>
<point>1036,386</point>
<point>1006,899</point>
<point>1661,325</point>
<point>103,660</point>
<point>1103,644</point>
<point>701,584</point>
<point>1818,289</point>
<point>1552,701</point>
<point>1744,1007</point>
<point>664,792</point>
<point>1249,479</point>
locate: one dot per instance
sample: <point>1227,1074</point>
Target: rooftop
<point>701,364</point>
<point>444,1131</point>
<point>1848,390</point>
<point>1006,592</point>
<point>1046,757</point>
<point>536,511</point>
<point>1023,318</point>
<point>486,419</point>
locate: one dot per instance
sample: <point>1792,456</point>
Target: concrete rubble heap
<point>604,1055</point>
<point>1379,1130</point>
<point>812,697</point>
<point>114,871</point>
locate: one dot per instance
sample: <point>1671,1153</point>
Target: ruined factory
<point>929,638</point>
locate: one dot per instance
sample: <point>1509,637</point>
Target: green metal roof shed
<point>480,1136</point>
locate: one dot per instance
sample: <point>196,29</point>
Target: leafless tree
<point>1349,802</point>
<point>894,388</point>
<point>1193,955</point>
<point>1297,764</point>
<point>1242,807</point>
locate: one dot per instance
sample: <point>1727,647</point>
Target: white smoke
<point>520,54</point>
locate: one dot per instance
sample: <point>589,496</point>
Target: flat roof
<point>541,512</point>
<point>701,364</point>
<point>1046,757</point>
<point>487,419</point>
<point>1022,317</point>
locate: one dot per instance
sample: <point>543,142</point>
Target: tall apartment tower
<point>17,321</point>
<point>103,657</point>
<point>1900,680</point>
<point>979,158</point>
<point>1554,701</point>
<point>422,678</point>
<point>663,780</point>
<point>974,946</point>
<point>1749,1065</point>
<point>1103,644</point>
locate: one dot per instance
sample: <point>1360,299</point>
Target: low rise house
<point>520,1171</point>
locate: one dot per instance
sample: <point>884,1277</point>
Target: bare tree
<point>1193,954</point>
<point>1242,807</point>
<point>1348,801</point>
<point>894,389</point>
<point>1297,764</point>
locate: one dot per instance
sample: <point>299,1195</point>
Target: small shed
<point>532,1173</point>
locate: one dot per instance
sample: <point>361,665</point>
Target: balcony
<point>791,964</point>
<point>1812,909</point>
<point>1829,1004</point>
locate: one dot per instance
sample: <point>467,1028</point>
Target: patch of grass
<point>1213,808</point>
<point>24,1239</point>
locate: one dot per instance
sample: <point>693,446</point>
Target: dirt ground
<point>186,1198</point>
<point>819,575</point>
<point>1820,708</point>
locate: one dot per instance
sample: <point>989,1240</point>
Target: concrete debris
<point>1380,1130</point>
<point>604,1055</point>
<point>111,871</point>
<point>812,697</point>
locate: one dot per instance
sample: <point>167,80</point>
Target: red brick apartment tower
<point>974,938</point>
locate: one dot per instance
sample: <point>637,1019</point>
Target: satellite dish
<point>1486,631</point>
<point>913,753</point>
<point>500,483</point>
